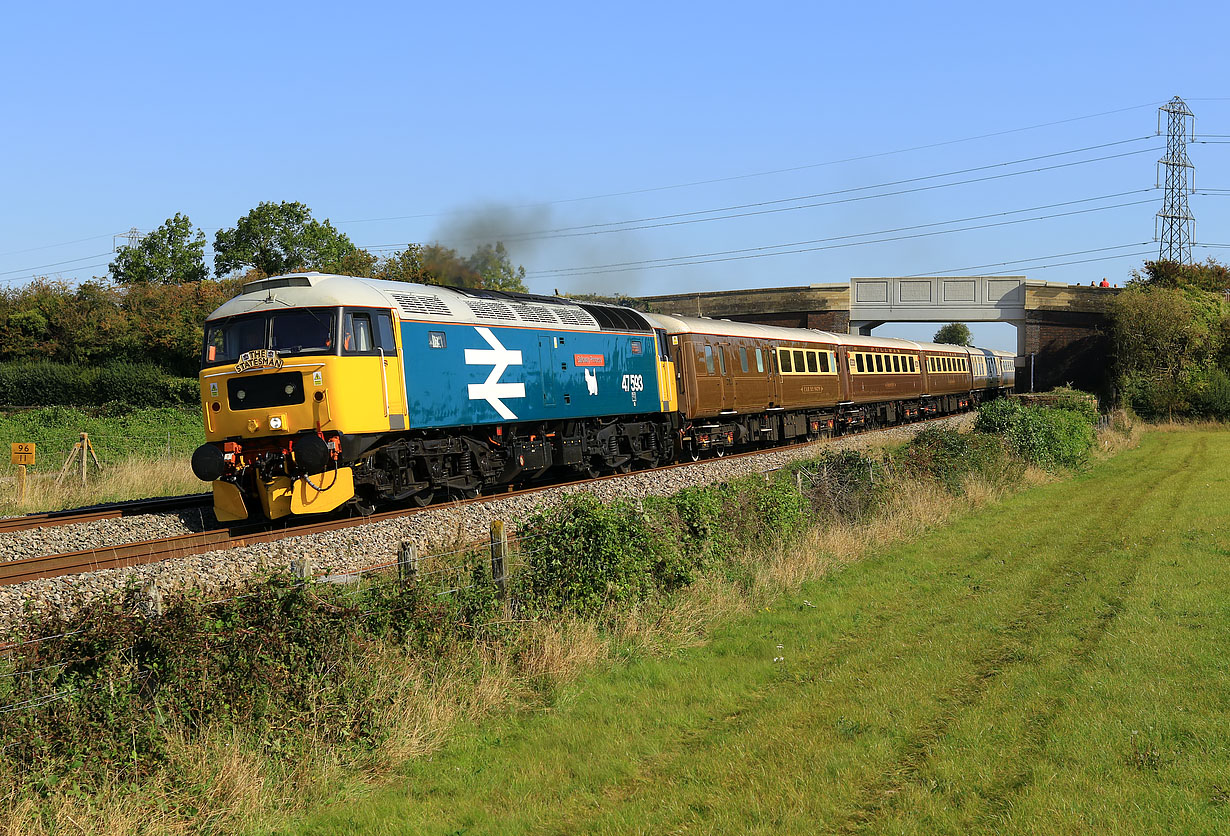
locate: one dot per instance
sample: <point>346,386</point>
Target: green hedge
<point>1046,436</point>
<point>60,384</point>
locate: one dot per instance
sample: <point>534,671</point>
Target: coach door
<point>752,386</point>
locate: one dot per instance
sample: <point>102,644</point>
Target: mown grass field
<point>1052,664</point>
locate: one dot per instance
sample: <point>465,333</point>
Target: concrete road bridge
<point>1061,329</point>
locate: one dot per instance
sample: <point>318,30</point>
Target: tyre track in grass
<point>1038,723</point>
<point>1049,597</point>
<point>1043,596</point>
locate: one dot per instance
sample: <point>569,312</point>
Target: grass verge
<point>1049,664</point>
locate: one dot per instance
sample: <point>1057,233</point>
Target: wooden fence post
<point>407,561</point>
<point>499,550</point>
<point>301,569</point>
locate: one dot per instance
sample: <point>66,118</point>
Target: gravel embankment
<point>348,550</point>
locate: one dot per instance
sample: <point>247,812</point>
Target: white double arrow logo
<point>500,358</point>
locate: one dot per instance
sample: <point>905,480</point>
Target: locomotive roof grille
<point>575,316</point>
<point>533,313</point>
<point>491,310</point>
<point>414,303</point>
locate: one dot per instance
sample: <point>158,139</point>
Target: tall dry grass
<point>132,478</point>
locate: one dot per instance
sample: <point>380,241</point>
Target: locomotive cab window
<point>367,332</point>
<point>290,332</point>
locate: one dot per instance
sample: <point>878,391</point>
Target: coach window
<point>783,361</point>
<point>721,353</point>
<point>859,360</point>
<point>824,362</point>
<point>879,363</point>
<point>743,359</point>
<point>799,362</point>
<point>709,358</point>
<point>759,362</point>
<point>812,366</point>
<point>896,363</point>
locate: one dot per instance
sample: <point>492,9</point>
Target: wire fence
<point>438,574</point>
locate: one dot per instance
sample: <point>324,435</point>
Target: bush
<point>950,457</point>
<point>1047,437</point>
<point>587,553</point>
<point>843,486</point>
<point>1212,397</point>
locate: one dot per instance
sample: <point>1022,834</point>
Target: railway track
<point>131,508</point>
<point>185,545</point>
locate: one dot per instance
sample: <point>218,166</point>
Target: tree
<point>495,270</point>
<point>487,268</point>
<point>954,333</point>
<point>1209,276</point>
<point>170,254</point>
<point>278,238</point>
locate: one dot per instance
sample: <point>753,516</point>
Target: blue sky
<point>556,126</point>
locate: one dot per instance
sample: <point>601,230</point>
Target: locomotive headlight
<point>240,394</point>
<point>290,389</point>
<point>275,423</point>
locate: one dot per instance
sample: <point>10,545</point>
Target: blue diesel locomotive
<point>319,389</point>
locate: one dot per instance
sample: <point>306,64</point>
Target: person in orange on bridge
<point>1104,283</point>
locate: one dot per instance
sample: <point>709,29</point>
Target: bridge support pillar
<point>864,327</point>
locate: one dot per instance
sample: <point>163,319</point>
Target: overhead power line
<point>61,244</point>
<point>770,172</point>
<point>686,218</point>
<point>778,201</point>
<point>54,264</point>
<point>821,244</point>
<point>664,261</point>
